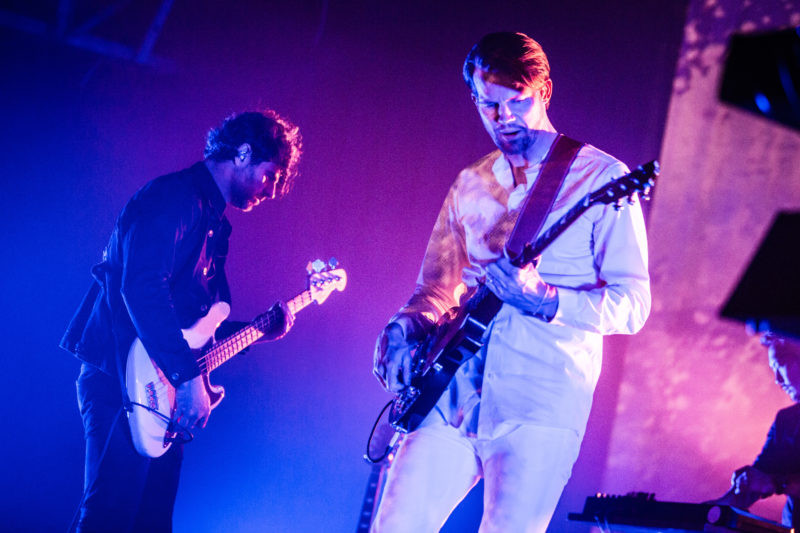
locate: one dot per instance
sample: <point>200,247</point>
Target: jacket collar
<point>209,187</point>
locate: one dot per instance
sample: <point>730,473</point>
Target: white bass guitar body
<point>147,385</point>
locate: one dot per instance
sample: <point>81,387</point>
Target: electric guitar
<point>153,397</point>
<point>458,334</point>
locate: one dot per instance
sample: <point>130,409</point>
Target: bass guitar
<point>458,335</point>
<point>152,396</point>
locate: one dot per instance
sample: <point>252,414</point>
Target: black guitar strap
<point>542,196</point>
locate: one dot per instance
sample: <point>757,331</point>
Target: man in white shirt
<point>515,413</point>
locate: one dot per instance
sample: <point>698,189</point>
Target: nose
<point>504,114</point>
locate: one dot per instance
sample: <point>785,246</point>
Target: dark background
<point>387,122</point>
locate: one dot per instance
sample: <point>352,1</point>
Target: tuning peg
<point>618,204</point>
<point>318,266</point>
<point>333,262</point>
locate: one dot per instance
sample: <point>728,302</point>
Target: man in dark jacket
<point>777,468</point>
<point>162,270</point>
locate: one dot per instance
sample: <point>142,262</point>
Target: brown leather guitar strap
<point>542,196</point>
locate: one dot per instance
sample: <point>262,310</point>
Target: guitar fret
<point>225,349</point>
<point>561,225</point>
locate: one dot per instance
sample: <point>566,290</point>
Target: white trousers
<point>524,473</point>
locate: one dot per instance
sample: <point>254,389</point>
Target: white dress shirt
<point>531,371</point>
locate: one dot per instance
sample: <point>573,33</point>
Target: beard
<point>516,145</point>
<point>243,192</point>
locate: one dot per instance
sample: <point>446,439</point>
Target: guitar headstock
<point>324,278</point>
<point>640,180</point>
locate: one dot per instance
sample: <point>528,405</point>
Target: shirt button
<point>175,376</point>
<point>203,308</point>
<point>211,233</point>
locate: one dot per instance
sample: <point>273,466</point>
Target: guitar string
<point>222,351</point>
<point>230,346</point>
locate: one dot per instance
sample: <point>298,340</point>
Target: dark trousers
<point>123,491</point>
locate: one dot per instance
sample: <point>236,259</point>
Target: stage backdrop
<point>377,92</point>
<point>697,397</point>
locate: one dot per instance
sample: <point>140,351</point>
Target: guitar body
<point>147,385</point>
<point>456,337</point>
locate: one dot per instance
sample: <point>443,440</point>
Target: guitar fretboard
<point>546,238</point>
<point>221,351</point>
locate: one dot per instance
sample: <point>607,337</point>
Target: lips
<point>510,134</point>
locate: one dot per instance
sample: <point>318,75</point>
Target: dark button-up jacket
<point>161,271</point>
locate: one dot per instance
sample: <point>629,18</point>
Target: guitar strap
<point>542,196</point>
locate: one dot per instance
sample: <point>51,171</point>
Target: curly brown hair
<point>271,137</point>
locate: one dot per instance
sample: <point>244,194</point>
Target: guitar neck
<point>615,191</point>
<point>225,349</point>
<point>552,233</point>
<point>300,302</point>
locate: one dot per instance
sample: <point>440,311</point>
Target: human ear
<point>546,92</point>
<point>243,153</point>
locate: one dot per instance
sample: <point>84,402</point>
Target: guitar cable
<point>389,446</point>
<point>171,424</point>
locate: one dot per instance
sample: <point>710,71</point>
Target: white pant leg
<point>434,469</point>
<point>524,474</point>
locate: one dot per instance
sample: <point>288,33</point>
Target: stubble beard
<point>517,146</point>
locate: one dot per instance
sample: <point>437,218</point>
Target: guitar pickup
<point>473,330</point>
